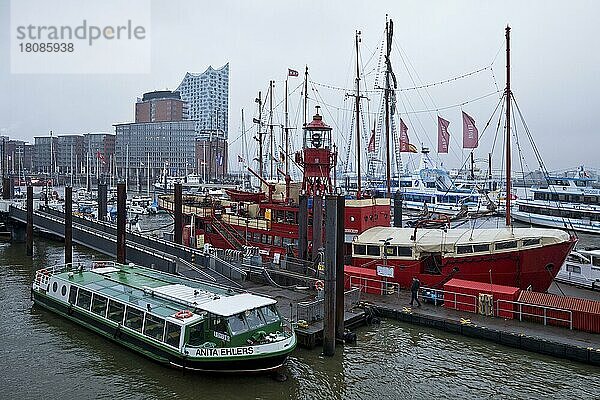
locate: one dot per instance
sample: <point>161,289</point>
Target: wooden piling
<point>317,226</point>
<point>178,235</point>
<point>302,226</point>
<point>121,222</point>
<point>339,268</point>
<point>29,232</point>
<point>68,225</point>
<point>102,200</point>
<point>329,321</point>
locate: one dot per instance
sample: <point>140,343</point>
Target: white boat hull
<point>557,222</point>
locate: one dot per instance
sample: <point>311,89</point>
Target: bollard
<point>178,235</point>
<point>329,322</point>
<point>68,225</point>
<point>29,233</point>
<point>121,222</point>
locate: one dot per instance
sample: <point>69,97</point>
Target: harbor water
<point>46,357</point>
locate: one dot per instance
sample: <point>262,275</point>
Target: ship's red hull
<point>533,268</point>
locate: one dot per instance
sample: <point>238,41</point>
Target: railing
<point>543,312</point>
<point>243,222</point>
<point>313,311</point>
<point>370,285</point>
<point>454,300</point>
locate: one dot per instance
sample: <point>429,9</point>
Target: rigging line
<point>416,87</point>
<point>541,162</point>
<point>327,109</point>
<point>405,59</point>
<point>457,105</point>
<point>483,131</point>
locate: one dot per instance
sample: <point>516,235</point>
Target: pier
<point>292,288</point>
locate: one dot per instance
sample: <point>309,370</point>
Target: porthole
<point>352,219</point>
<point>54,287</point>
<point>63,290</point>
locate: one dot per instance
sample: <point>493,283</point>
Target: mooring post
<point>102,199</point>
<point>331,251</point>
<point>302,226</point>
<point>178,236</point>
<point>398,209</point>
<point>29,232</point>
<point>339,269</point>
<point>6,188</point>
<point>68,225</point>
<point>121,222</point>
<point>317,227</point>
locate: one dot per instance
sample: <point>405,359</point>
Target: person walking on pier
<point>414,291</point>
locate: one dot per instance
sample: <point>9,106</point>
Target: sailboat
<point>527,258</point>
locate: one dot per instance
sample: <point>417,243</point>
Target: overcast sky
<point>555,66</point>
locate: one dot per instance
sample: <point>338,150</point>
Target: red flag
<point>292,72</point>
<point>371,147</point>
<point>412,148</point>
<point>470,133</point>
<point>443,135</point>
<point>100,157</point>
<point>404,142</point>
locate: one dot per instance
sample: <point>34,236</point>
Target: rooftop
<point>163,293</point>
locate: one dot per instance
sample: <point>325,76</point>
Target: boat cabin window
<point>172,335</point>
<point>479,248</point>
<point>360,249</point>
<point>154,327</point>
<point>73,294</point>
<point>506,245</point>
<point>573,268</point>
<point>99,305</point>
<point>84,299</point>
<point>580,183</point>
<point>269,314</point>
<point>391,251</point>
<point>596,261</point>
<point>55,287</point>
<point>373,250</point>
<point>196,334</point>
<point>404,251</point>
<point>464,249</point>
<point>531,242</point>
<point>254,319</point>
<point>133,319</point>
<point>116,311</point>
<point>237,324</point>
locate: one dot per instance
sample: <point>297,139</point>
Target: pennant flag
<point>100,157</point>
<point>470,133</point>
<point>412,148</point>
<point>404,142</point>
<point>292,72</point>
<point>371,147</point>
<point>443,135</point>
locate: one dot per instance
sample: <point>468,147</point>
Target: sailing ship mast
<point>357,108</point>
<point>388,70</point>
<point>508,155</point>
<point>260,133</point>
<point>305,95</point>
<point>271,156</point>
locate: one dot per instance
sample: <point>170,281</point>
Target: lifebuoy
<point>183,314</point>
<point>319,285</point>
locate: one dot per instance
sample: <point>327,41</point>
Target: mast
<point>357,109</point>
<point>260,133</point>
<point>287,144</point>
<point>244,149</point>
<point>272,141</point>
<point>305,95</point>
<point>508,96</point>
<point>388,70</point>
<point>51,160</point>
